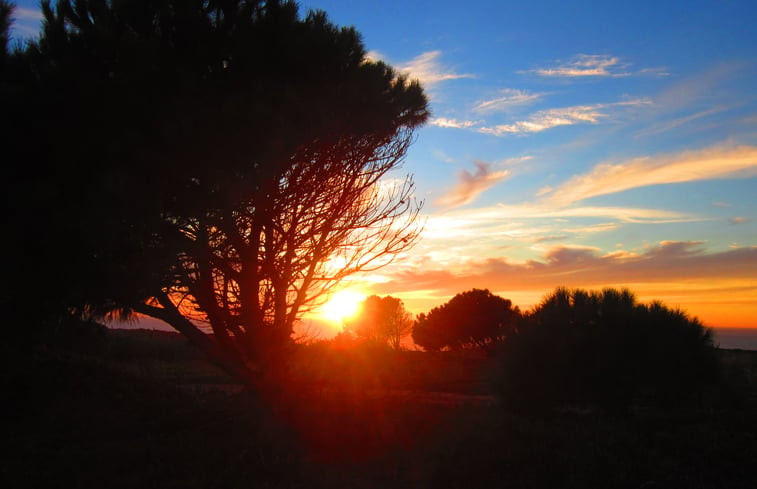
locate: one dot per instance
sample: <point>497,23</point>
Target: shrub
<point>605,349</point>
<point>473,319</point>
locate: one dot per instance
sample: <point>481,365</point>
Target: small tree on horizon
<point>382,320</point>
<point>476,318</point>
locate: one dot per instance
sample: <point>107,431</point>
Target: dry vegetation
<point>126,410</point>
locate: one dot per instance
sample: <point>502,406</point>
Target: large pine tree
<point>206,162</point>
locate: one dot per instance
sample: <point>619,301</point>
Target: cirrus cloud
<point>594,65</point>
<point>508,98</point>
<point>565,116</point>
<point>427,68</point>
<point>453,123</point>
<point>716,162</point>
<point>739,220</point>
<point>585,65</point>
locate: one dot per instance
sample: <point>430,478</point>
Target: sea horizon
<point>736,338</point>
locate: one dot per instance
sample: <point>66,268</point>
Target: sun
<point>342,305</point>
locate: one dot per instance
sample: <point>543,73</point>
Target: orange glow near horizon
<point>719,310</point>
<point>721,303</point>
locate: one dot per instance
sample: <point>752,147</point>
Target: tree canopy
<point>382,320</point>
<point>206,161</point>
<point>475,318</point>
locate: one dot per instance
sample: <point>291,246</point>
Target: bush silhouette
<point>472,319</point>
<point>605,349</point>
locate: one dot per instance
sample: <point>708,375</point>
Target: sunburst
<point>342,305</point>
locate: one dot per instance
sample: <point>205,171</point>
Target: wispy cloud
<point>669,260</point>
<point>656,71</point>
<point>515,161</point>
<point>706,86</point>
<point>739,220</point>
<point>585,65</point>
<point>661,127</point>
<point>547,119</point>
<point>625,214</point>
<point>427,68</point>
<point>470,185</point>
<point>508,98</point>
<point>594,65</point>
<point>596,228</point>
<point>454,237</point>
<point>666,267</point>
<point>442,156</point>
<point>711,163</point>
<point>27,14</point>
<point>553,237</point>
<point>464,224</point>
<point>566,116</point>
<point>453,123</point>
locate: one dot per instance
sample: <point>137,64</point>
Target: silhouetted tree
<point>211,162</point>
<point>382,320</point>
<point>476,318</point>
<point>606,349</point>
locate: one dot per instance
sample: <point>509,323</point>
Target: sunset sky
<point>583,144</point>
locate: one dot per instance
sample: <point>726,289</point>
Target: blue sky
<point>584,144</point>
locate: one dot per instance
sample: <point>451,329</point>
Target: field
<point>143,409</point>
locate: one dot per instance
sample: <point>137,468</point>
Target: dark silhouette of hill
<point>117,413</point>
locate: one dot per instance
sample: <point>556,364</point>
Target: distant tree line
<point>472,319</point>
<point>580,347</point>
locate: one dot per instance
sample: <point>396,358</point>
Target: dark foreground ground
<point>136,409</point>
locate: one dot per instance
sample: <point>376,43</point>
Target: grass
<point>118,413</point>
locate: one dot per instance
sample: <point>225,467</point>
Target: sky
<point>577,144</point>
